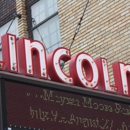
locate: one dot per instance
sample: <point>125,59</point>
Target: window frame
<point>59,43</point>
<point>44,21</point>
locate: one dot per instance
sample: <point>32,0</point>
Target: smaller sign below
<point>33,107</point>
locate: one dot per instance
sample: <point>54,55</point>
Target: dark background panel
<point>31,106</point>
<point>25,96</point>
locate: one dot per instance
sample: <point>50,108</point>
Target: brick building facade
<point>104,31</point>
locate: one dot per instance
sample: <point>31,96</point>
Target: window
<point>45,22</point>
<point>13,30</point>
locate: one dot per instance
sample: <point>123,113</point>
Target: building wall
<point>22,23</point>
<point>7,8</point>
<point>105,30</point>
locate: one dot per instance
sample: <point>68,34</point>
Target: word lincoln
<point>28,57</point>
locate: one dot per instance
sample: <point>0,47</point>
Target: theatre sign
<point>28,57</point>
<point>82,100</point>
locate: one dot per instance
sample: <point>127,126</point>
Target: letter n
<point>32,58</point>
<point>122,77</point>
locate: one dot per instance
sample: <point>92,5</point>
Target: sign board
<point>35,104</point>
<point>28,57</point>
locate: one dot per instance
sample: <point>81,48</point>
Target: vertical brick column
<point>22,23</point>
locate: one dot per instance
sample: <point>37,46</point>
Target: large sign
<point>33,104</point>
<point>28,57</point>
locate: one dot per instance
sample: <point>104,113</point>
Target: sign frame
<point>5,76</point>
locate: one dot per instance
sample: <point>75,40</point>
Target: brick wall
<point>7,8</point>
<point>22,23</point>
<point>105,30</point>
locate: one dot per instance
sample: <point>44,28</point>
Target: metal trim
<point>63,87</point>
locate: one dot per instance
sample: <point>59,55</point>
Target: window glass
<point>43,9</point>
<point>13,30</point>
<point>48,31</point>
<point>49,34</point>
